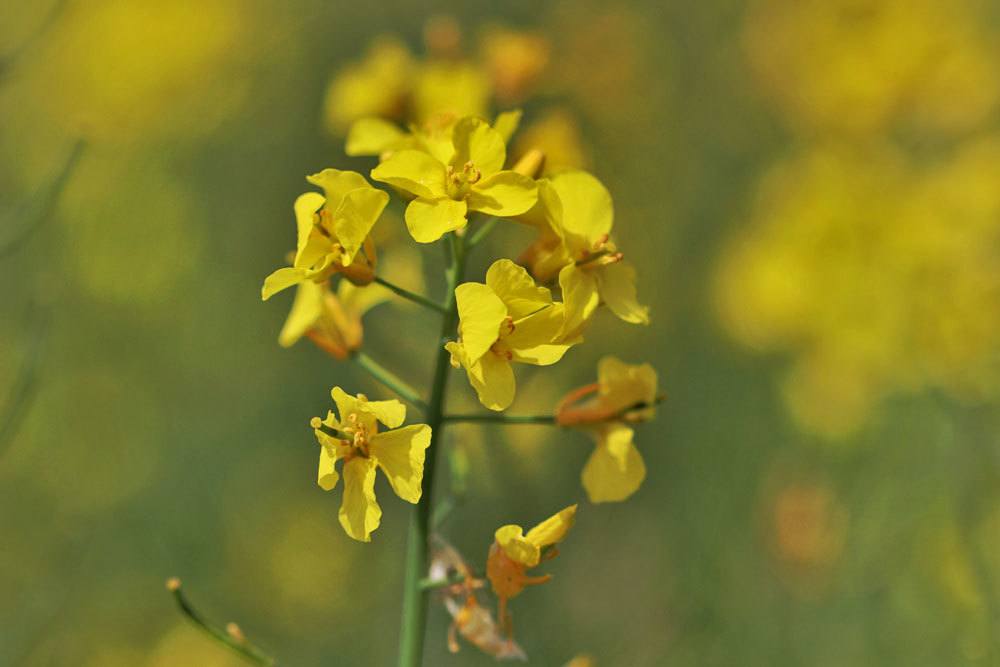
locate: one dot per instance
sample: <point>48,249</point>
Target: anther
<point>315,422</point>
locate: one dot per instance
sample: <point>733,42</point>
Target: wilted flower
<point>623,394</point>
<point>513,553</point>
<point>354,438</point>
<point>469,618</point>
<point>507,319</point>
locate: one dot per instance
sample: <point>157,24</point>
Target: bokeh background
<point>811,192</point>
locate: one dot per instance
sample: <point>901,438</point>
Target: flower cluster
<point>456,181</point>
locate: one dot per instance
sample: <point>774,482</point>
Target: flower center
<point>602,253</point>
<point>459,182</point>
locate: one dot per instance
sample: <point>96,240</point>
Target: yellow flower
<point>507,319</point>
<point>331,321</point>
<point>331,231</point>
<point>515,60</point>
<point>355,439</point>
<point>456,88</point>
<point>575,214</point>
<point>464,174</point>
<point>623,394</point>
<point>377,86</point>
<point>513,553</point>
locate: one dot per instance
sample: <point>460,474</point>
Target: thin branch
<point>14,409</point>
<point>412,296</point>
<point>232,637</point>
<point>483,231</point>
<point>390,380</point>
<point>500,418</point>
<point>39,209</point>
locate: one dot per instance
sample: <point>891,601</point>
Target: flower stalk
<point>414,621</point>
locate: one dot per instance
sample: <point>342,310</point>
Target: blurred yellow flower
<point>465,174</point>
<point>556,133</point>
<point>513,553</point>
<point>331,230</point>
<point>515,60</point>
<point>876,276</point>
<point>376,86</point>
<point>355,439</point>
<point>623,394</point>
<point>331,320</point>
<point>507,319</point>
<point>859,65</point>
<point>450,87</point>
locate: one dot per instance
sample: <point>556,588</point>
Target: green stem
<point>483,231</point>
<point>390,380</point>
<point>502,418</point>
<point>428,584</point>
<point>232,641</point>
<point>414,622</point>
<point>412,296</point>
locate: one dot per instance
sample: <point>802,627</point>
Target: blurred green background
<point>811,192</point>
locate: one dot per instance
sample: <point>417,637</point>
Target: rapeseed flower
<point>331,231</point>
<point>623,394</point>
<point>575,215</point>
<point>354,438</point>
<point>332,320</point>
<point>509,318</point>
<point>454,177</point>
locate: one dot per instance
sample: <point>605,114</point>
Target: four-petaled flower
<point>513,553</point>
<point>355,439</point>
<point>510,318</point>
<point>451,178</point>
<point>332,231</point>
<point>623,394</point>
<point>575,215</point>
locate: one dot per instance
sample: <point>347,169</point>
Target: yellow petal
<point>624,385</point>
<point>355,217</point>
<point>505,193</point>
<point>580,294</point>
<point>430,219</point>
<point>336,184</point>
<point>531,340</point>
<point>587,211</point>
<point>506,123</point>
<point>327,477</point>
<point>306,310</point>
<point>493,379</point>
<point>360,514</point>
<point>553,529</point>
<point>518,549</point>
<point>305,208</point>
<point>615,470</point>
<point>392,413</point>
<point>359,300</point>
<point>346,404</point>
<point>400,454</point>
<point>616,283</point>
<point>475,141</point>
<point>373,136</point>
<point>516,288</point>
<point>480,312</point>
<point>280,280</point>
<point>414,171</point>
